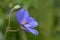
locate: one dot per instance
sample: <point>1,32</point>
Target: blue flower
<point>28,23</point>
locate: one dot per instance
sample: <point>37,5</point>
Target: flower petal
<point>32,23</point>
<point>35,32</point>
<point>21,15</point>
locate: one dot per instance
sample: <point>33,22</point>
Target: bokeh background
<point>46,12</point>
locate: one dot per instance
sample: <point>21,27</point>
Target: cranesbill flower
<point>28,23</point>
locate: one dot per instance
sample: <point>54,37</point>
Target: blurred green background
<point>46,12</point>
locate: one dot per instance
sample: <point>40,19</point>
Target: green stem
<point>9,17</point>
<point>8,22</point>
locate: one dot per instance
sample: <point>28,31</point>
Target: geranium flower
<point>28,23</point>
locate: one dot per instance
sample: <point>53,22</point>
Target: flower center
<point>25,22</point>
